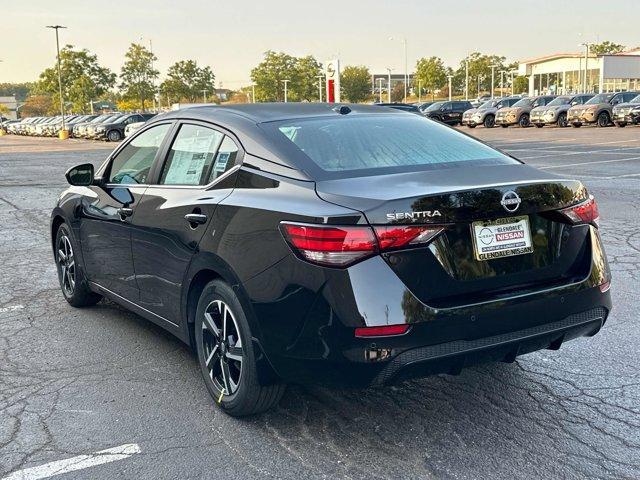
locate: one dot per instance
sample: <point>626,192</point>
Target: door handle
<point>196,218</point>
<point>124,212</point>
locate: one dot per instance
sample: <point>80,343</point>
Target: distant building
<point>12,104</point>
<point>564,73</point>
<point>380,81</point>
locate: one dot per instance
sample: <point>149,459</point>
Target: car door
<point>107,210</point>
<point>446,112</point>
<point>175,210</point>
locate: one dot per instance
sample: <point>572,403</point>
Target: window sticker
<point>221,162</point>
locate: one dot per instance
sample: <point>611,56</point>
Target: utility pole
<point>512,90</point>
<point>466,78</point>
<point>449,77</point>
<point>380,90</point>
<point>502,72</point>
<point>56,28</point>
<point>493,75</point>
<point>585,84</point>
<point>286,83</point>
<point>388,84</point>
<point>320,77</point>
<point>253,93</point>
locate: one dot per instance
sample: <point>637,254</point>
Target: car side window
<point>447,107</point>
<point>191,156</point>
<point>226,158</point>
<point>133,163</point>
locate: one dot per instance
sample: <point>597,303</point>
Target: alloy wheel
<point>222,347</point>
<point>67,264</point>
<point>114,136</point>
<point>562,120</point>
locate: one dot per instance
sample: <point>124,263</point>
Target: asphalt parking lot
<point>75,382</point>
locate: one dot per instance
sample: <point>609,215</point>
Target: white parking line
<point>547,167</point>
<point>11,308</point>
<point>80,462</point>
<point>587,152</point>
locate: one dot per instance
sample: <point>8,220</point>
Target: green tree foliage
<point>606,48</point>
<point>480,69</point>
<point>83,79</point>
<point>397,92</point>
<point>137,77</point>
<point>20,90</point>
<point>186,82</point>
<point>431,74</point>
<point>355,82</point>
<point>301,72</point>
<point>520,84</point>
<point>38,105</point>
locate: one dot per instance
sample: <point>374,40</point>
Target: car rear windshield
<point>374,142</point>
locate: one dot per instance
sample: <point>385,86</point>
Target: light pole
<point>380,90</point>
<point>388,84</point>
<point>320,77</point>
<point>466,78</point>
<point>502,72</point>
<point>286,83</point>
<point>493,76</point>
<point>406,67</point>
<point>56,28</point>
<point>204,95</point>
<point>152,83</point>
<point>512,89</point>
<point>253,93</point>
<point>419,89</point>
<point>449,77</point>
<point>585,84</point>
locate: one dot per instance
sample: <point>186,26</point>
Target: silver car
<point>485,114</point>
<point>555,112</point>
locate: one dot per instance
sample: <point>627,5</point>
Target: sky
<point>231,36</point>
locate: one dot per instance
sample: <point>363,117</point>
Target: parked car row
<point>602,110</point>
<point>109,126</point>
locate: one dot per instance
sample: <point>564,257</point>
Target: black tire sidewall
<point>489,121</point>
<point>602,115</point>
<point>219,290</point>
<point>115,133</point>
<point>82,295</point>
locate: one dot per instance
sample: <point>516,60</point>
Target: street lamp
<point>286,83</point>
<point>466,78</point>
<point>204,95</point>
<point>449,77</point>
<point>380,90</point>
<point>320,78</point>
<point>502,72</point>
<point>56,28</point>
<point>512,86</point>
<point>493,75</point>
<point>406,67</point>
<point>585,84</point>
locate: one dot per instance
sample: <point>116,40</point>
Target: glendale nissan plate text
<point>340,245</point>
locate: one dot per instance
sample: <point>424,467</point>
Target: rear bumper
<point>305,318</point>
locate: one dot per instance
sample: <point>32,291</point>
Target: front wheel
<point>524,120</point>
<point>562,120</point>
<point>603,120</point>
<point>489,121</point>
<point>621,124</point>
<point>70,274</point>
<point>114,136</point>
<point>226,354</point>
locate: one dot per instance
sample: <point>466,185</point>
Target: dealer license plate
<point>503,237</point>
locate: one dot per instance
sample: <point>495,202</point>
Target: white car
<point>132,127</point>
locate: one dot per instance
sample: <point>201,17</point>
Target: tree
<point>430,75</point>
<point>268,76</point>
<point>397,92</point>
<point>480,71</point>
<point>20,90</point>
<point>304,85</point>
<point>38,105</point>
<point>4,110</point>
<point>186,81</point>
<point>355,82</point>
<point>137,77</point>
<point>520,85</point>
<point>83,79</point>
<point>606,48</point>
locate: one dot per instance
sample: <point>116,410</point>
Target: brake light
<point>383,331</point>
<point>332,246</point>
<point>585,212</point>
<point>340,246</point>
<point>397,236</point>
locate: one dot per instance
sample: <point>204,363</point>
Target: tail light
<point>585,212</point>
<point>340,246</point>
<point>382,331</point>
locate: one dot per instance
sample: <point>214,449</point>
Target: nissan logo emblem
<point>510,201</point>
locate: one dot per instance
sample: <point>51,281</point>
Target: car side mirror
<point>80,175</point>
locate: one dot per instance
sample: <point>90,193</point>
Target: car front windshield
<point>635,99</point>
<point>558,101</point>
<point>525,102</point>
<point>383,144</point>
<point>434,106</point>
<point>488,104</point>
<point>601,98</point>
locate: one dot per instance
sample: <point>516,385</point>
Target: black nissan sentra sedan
<point>340,245</point>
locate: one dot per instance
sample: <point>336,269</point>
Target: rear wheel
<point>524,120</point>
<point>70,273</point>
<point>620,124</point>
<point>114,136</point>
<point>562,120</point>
<point>603,120</point>
<point>489,121</point>
<point>226,355</point>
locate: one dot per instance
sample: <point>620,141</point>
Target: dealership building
<point>564,73</point>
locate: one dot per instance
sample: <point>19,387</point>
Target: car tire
<point>576,125</point>
<point>489,121</point>
<point>114,136</point>
<point>523,121</point>
<point>228,362</point>
<point>539,125</point>
<point>620,124</point>
<point>562,120</point>
<point>71,276</point>
<point>470,126</point>
<point>504,126</point>
<point>603,120</point>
